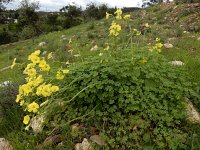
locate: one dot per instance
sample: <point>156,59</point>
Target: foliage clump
<point>133,102</point>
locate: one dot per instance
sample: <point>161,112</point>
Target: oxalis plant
<point>134,98</point>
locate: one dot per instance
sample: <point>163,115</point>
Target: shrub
<point>133,99</point>
<point>10,112</point>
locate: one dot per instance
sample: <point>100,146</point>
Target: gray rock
<point>5,145</point>
<point>177,63</point>
<point>42,44</point>
<point>193,114</point>
<point>44,53</point>
<point>168,45</point>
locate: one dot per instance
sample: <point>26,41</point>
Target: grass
<point>84,37</point>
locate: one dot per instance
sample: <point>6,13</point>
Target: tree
<point>28,17</point>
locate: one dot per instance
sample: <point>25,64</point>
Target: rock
<point>168,45</point>
<point>4,84</point>
<point>177,63</point>
<point>41,44</point>
<point>97,139</point>
<point>193,115</point>
<point>5,145</point>
<point>56,139</point>
<point>191,28</point>
<point>85,145</point>
<point>63,36</point>
<point>37,124</point>
<point>44,53</point>
<point>198,38</point>
<point>95,48</point>
<point>186,32</point>
<point>77,55</point>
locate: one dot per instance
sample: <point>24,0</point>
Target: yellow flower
<point>37,52</point>
<point>33,107</point>
<point>159,45</point>
<point>157,39</point>
<point>46,91</point>
<point>26,119</point>
<point>70,41</point>
<point>127,17</point>
<point>146,25</point>
<point>13,63</point>
<point>118,14</point>
<point>22,103</point>
<point>44,66</point>
<point>54,88</point>
<point>31,72</point>
<point>65,71</point>
<point>108,15</point>
<point>18,98</point>
<point>59,75</point>
<point>100,54</point>
<point>115,29</point>
<point>34,58</point>
<point>29,66</point>
<point>107,48</point>
<point>50,56</point>
<point>67,63</point>
<point>25,89</point>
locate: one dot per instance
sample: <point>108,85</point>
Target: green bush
<point>10,112</point>
<point>133,99</point>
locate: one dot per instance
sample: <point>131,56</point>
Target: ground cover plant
<point>126,91</point>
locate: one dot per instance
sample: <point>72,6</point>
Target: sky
<point>55,5</point>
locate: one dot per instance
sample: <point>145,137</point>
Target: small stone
<point>5,145</point>
<point>177,63</point>
<point>56,139</point>
<point>198,38</point>
<point>42,44</point>
<point>168,45</point>
<point>97,139</point>
<point>193,114</point>
<point>95,48</point>
<point>85,145</point>
<point>5,83</point>
<point>37,124</point>
<point>44,53</point>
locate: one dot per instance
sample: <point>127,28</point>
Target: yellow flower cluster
<point>108,15</point>
<point>33,107</point>
<point>118,14</point>
<point>157,47</point>
<point>61,74</point>
<point>115,29</point>
<point>127,17</point>
<point>46,90</point>
<point>35,85</point>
